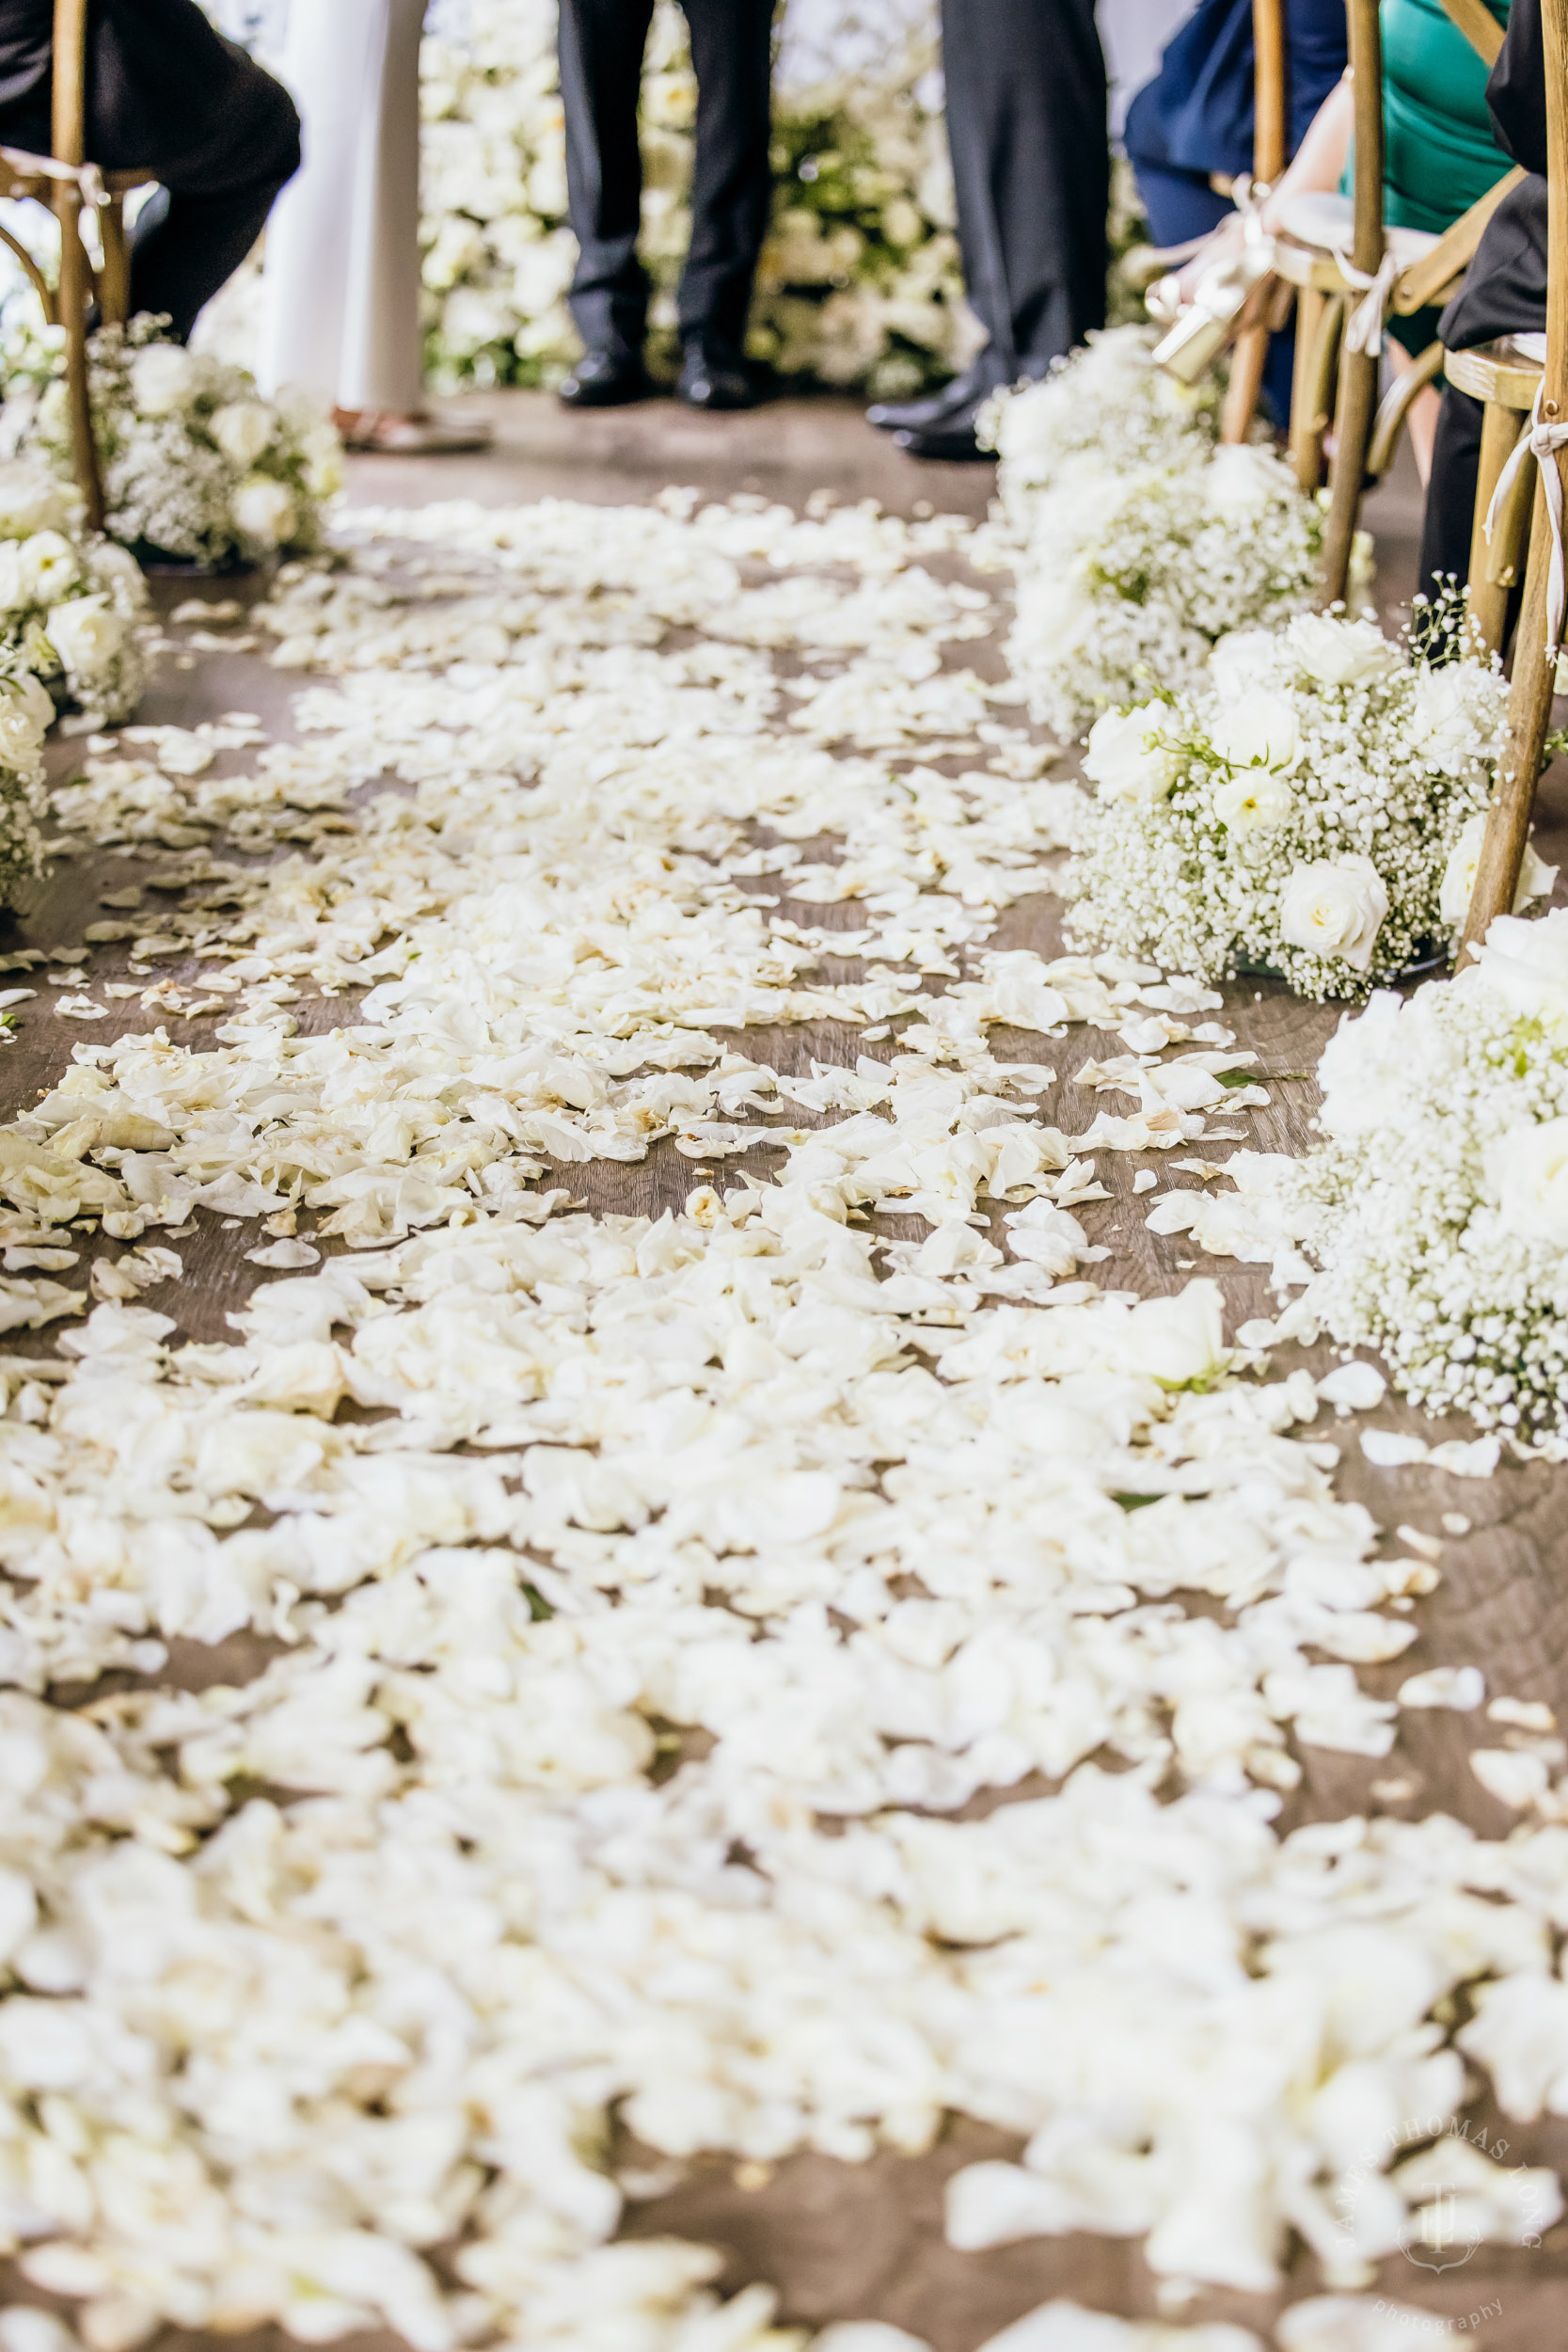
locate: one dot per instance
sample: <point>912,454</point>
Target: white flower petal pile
<point>647,1631</point>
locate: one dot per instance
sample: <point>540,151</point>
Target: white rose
<point>30,502</point>
<point>163,378</point>
<point>1125,756</point>
<point>1242,661</point>
<point>1259,731</point>
<point>1335,907</point>
<point>1256,801</point>
<point>1536,878</point>
<point>1365,1061</point>
<point>1339,653</point>
<point>26,714</point>
<point>1528,1169</point>
<point>48,565</point>
<point>264,511</point>
<point>1526,962</point>
<point>1179,1339</point>
<point>87,634</point>
<point>1443,731</point>
<point>243,430</point>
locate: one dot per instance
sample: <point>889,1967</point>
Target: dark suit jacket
<point>1505,290</point>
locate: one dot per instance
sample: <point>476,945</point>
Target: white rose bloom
<point>1125,758</point>
<point>31,501</point>
<point>1242,661</point>
<point>1335,907</point>
<point>1526,962</point>
<point>1443,729</point>
<point>1341,653</point>
<point>1536,877</point>
<point>264,511</point>
<point>1256,801</point>
<point>1259,731</point>
<point>25,713</point>
<point>87,634</point>
<point>49,564</point>
<point>163,378</point>
<point>14,593</point>
<point>1528,1169</point>
<point>244,429</point>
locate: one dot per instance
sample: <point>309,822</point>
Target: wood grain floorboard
<point>865,2241</point>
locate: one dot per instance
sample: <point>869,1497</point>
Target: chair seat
<point>1506,371</point>
<point>1317,229</point>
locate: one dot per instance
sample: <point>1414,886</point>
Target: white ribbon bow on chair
<point>88,178</point>
<point>1542,442</point>
<point>1365,332</point>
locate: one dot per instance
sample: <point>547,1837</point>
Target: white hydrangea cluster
<point>196,463</point>
<point>1436,1206</point>
<point>73,614</point>
<point>1315,809</point>
<point>1130,577</point>
<point>859,281</point>
<point>675,1584</point>
<point>1105,404</point>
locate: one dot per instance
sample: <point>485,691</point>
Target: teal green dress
<point>1440,153</point>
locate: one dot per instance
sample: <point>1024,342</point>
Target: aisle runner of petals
<point>673,1580</point>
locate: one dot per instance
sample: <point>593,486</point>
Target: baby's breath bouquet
<point>196,463</point>
<point>1105,403</point>
<point>859,280</point>
<point>1312,808</point>
<point>1436,1204</point>
<point>1130,577</point>
<point>72,615</point>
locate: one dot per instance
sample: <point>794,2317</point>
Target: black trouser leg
<point>210,208</point>
<point>1026,122</point>
<point>731,181</point>
<point>601,45</point>
<point>1451,492</point>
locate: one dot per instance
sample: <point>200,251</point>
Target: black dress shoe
<point>951,439</point>
<point>919,416</point>
<point>715,375</point>
<point>605,379</point>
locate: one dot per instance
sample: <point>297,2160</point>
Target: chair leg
<point>1353,433</point>
<point>1394,409</point>
<point>114,280</point>
<point>1494,565</point>
<point>1318,320</point>
<point>1529,709</point>
<point>68,116</point>
<point>1246,382</point>
<point>74,281</point>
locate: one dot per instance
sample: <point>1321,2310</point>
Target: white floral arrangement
<point>1105,402</point>
<point>859,281</point>
<point>72,609</point>
<point>1313,809</point>
<point>1436,1204</point>
<point>197,465</point>
<point>1130,579</point>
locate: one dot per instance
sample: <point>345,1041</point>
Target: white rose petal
<point>1536,878</point>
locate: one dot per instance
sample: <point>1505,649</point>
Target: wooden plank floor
<point>865,2241</point>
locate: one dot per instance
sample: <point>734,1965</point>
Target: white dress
<point>340,294</point>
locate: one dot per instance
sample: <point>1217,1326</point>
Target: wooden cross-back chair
<point>1540,620</point>
<point>1505,378</point>
<point>76,191</point>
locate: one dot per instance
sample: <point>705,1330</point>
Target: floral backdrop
<point>860,280</point>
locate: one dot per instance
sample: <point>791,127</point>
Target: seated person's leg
<point>1450,493</point>
<point>213,202</point>
<point>1179,204</point>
